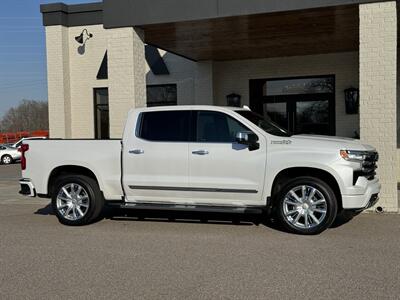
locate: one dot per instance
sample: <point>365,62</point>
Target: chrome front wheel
<point>73,202</point>
<point>305,207</point>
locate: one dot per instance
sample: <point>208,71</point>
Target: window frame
<point>95,105</point>
<point>161,103</point>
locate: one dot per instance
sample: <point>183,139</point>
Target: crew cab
<point>204,158</point>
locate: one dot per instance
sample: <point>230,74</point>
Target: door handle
<point>200,152</point>
<point>136,151</point>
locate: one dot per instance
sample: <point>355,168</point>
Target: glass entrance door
<point>302,106</point>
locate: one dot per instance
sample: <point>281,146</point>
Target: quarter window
<point>165,126</point>
<point>216,127</point>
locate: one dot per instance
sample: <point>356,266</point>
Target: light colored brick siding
<point>378,66</point>
<point>233,77</point>
<point>58,81</point>
<point>126,73</point>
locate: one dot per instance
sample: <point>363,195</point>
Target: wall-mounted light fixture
<point>83,37</point>
<point>233,100</point>
<point>352,98</point>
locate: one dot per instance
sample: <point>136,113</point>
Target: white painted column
<point>126,75</point>
<point>58,74</point>
<point>378,61</point>
<point>203,85</point>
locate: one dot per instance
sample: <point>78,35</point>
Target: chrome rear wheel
<point>72,202</point>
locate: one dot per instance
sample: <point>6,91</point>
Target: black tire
<point>95,202</point>
<point>7,159</point>
<point>331,206</point>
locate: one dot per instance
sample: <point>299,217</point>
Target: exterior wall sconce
<point>352,98</point>
<point>83,37</point>
<point>234,100</point>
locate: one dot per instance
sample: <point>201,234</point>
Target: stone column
<point>378,51</point>
<point>203,85</point>
<point>126,75</point>
<point>58,74</point>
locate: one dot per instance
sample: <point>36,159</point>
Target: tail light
<point>23,148</point>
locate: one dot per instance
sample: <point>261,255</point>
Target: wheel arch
<point>66,170</point>
<point>290,173</point>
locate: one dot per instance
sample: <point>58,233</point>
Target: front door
<point>302,105</point>
<point>222,171</point>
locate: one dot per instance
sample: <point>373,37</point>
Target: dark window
<point>165,126</point>
<point>302,105</point>
<point>216,127</point>
<point>101,114</point>
<point>161,95</point>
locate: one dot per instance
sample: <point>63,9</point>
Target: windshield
<point>264,123</point>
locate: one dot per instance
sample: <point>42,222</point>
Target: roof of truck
<point>192,107</point>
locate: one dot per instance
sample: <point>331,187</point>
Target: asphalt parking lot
<point>139,257</point>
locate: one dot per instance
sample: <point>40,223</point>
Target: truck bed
<point>102,157</point>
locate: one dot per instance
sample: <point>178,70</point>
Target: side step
<point>195,208</point>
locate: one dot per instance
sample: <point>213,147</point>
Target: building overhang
<point>225,29</point>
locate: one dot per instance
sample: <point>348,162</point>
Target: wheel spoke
<point>303,192</point>
<point>64,199</point>
<point>306,220</point>
<point>291,202</point>
<point>319,202</point>
<point>314,218</point>
<point>67,212</point>
<point>78,209</point>
<point>311,195</point>
<point>66,193</point>
<point>289,213</point>
<point>85,205</point>
<point>78,192</point>
<point>322,211</point>
<point>295,220</point>
<point>294,195</point>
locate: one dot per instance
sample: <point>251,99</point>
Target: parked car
<point>204,158</point>
<point>19,143</point>
<point>8,154</point>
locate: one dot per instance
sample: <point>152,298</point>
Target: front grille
<point>368,167</point>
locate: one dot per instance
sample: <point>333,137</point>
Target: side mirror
<point>248,138</point>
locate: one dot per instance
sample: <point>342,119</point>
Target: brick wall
<point>378,72</point>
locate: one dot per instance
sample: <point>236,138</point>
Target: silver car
<point>9,154</point>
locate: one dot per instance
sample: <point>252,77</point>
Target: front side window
<point>216,127</point>
<point>264,123</point>
<point>165,126</point>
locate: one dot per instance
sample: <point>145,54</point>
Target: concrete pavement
<point>152,258</point>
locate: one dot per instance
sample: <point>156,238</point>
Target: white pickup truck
<point>204,158</point>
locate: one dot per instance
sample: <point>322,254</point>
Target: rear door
<point>222,171</point>
<point>155,157</point>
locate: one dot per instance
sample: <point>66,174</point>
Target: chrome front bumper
<point>27,188</point>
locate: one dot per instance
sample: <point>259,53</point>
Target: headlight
<point>353,155</point>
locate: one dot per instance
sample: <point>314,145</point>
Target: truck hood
<point>340,143</point>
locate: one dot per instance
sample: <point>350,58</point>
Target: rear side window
<point>165,126</point>
<point>217,127</point>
